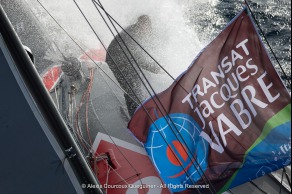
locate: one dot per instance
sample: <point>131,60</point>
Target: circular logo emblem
<point>177,150</point>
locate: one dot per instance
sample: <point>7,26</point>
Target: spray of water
<point>176,40</point>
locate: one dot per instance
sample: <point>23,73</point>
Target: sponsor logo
<point>177,150</point>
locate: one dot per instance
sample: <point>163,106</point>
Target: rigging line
<point>230,191</point>
<point>81,141</point>
<point>72,106</point>
<point>123,153</point>
<point>77,135</point>
<point>265,38</point>
<point>78,112</point>
<point>200,169</point>
<point>99,155</point>
<point>197,168</point>
<point>128,178</point>
<point>155,127</point>
<point>104,160</point>
<point>256,186</point>
<point>107,132</point>
<point>117,67</point>
<point>157,99</point>
<point>87,95</point>
<point>111,57</point>
<point>89,58</point>
<point>100,40</point>
<point>107,82</point>
<point>282,177</point>
<point>114,92</point>
<point>96,35</point>
<point>92,151</point>
<point>137,173</point>
<point>107,173</point>
<point>85,52</point>
<point>278,180</point>
<point>88,147</point>
<point>91,74</point>
<point>138,44</point>
<point>106,74</point>
<point>273,53</point>
<point>111,18</point>
<point>287,177</point>
<point>56,96</point>
<point>132,38</point>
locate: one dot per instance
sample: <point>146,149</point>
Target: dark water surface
<point>273,16</point>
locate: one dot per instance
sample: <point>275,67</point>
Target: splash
<point>177,40</point>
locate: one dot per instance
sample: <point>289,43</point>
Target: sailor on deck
<point>122,67</point>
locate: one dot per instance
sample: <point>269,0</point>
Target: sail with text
<point>224,121</point>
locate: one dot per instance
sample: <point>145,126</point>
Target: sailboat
<point>93,113</point>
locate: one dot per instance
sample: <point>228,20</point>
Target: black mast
<point>38,153</point>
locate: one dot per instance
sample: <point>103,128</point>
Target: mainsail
<point>223,122</point>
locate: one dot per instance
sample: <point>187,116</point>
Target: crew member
<point>120,64</point>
